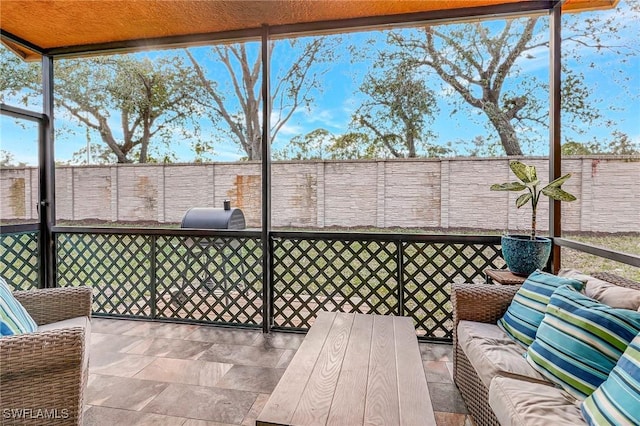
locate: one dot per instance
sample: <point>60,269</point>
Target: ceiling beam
<point>5,35</point>
<point>434,16</point>
<point>171,42</point>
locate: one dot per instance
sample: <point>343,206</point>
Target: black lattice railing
<point>428,271</point>
<point>376,273</point>
<point>19,259</point>
<point>217,277</point>
<point>117,267</point>
<point>310,275</point>
<point>209,279</point>
<point>178,276</point>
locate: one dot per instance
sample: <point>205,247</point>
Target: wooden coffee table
<point>353,369</point>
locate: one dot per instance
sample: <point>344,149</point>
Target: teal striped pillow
<point>580,340</point>
<point>14,319</point>
<point>527,309</point>
<point>617,400</point>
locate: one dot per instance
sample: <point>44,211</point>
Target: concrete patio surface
<point>153,373</point>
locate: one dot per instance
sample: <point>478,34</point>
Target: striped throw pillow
<point>617,400</point>
<point>580,340</point>
<point>14,318</point>
<point>527,309</point>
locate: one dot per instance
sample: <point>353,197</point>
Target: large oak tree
<point>236,110</point>
<point>481,65</point>
<point>130,102</point>
<point>396,112</point>
<point>134,104</point>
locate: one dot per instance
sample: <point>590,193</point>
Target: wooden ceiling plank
<point>66,28</point>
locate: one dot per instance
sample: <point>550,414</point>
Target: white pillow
<point>605,292</point>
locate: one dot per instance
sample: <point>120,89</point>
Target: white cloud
<point>330,118</point>
<point>289,129</point>
<point>323,116</point>
<point>534,60</point>
<point>349,105</point>
<point>228,155</point>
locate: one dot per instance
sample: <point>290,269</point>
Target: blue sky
<point>615,82</point>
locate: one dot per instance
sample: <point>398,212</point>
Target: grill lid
<point>214,218</point>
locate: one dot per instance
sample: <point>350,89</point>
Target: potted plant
<point>526,253</point>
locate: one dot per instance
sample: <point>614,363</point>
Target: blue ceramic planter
<point>524,255</point>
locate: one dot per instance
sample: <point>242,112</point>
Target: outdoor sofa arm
<point>56,304</point>
<point>45,370</point>
<point>481,302</point>
<point>42,353</point>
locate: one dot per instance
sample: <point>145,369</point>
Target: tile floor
<point>151,373</point>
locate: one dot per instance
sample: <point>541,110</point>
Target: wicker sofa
<point>44,374</point>
<point>481,305</point>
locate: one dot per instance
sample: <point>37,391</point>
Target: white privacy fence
<point>433,193</point>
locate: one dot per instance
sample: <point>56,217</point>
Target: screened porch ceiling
<point>34,27</point>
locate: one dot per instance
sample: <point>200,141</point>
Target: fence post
<point>153,275</point>
<point>400,276</point>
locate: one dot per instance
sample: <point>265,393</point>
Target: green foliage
<point>396,111</point>
<point>478,63</point>
<point>483,147</point>
<point>16,75</point>
<point>320,144</point>
<point>148,99</point>
<point>136,105</point>
<point>94,154</point>
<point>7,159</point>
<point>354,145</point>
<point>619,144</point>
<point>528,179</point>
<point>577,148</point>
<point>392,122</point>
<point>312,146</point>
<point>475,60</point>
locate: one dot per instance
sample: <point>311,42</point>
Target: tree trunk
<point>144,143</point>
<point>505,129</point>
<point>255,149</point>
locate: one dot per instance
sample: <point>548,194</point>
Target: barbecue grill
<point>214,218</point>
<point>204,250</point>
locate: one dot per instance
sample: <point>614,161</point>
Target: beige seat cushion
<point>518,402</point>
<point>491,352</point>
<point>604,292</point>
<point>83,322</point>
<point>71,322</point>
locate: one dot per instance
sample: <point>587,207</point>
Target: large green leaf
<point>558,182</point>
<point>508,186</point>
<point>523,199</point>
<point>557,193</point>
<point>526,174</point>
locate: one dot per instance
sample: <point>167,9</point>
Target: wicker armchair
<point>44,373</point>
<point>488,303</point>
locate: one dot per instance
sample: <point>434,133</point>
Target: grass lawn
<point>589,263</point>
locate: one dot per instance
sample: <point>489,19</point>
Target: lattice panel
<point>117,267</point>
<point>214,279</point>
<point>428,271</point>
<point>20,262</point>
<point>311,275</point>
